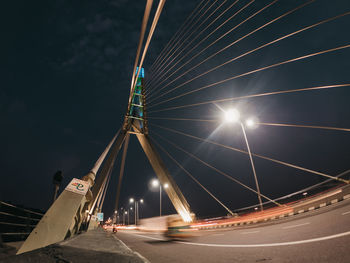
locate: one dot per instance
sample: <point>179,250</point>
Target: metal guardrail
<point>318,188</point>
<point>16,223</point>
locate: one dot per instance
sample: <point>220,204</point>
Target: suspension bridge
<point>247,103</point>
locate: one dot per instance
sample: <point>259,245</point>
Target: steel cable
<point>254,71</point>
<point>184,34</point>
<point>258,123</point>
<point>207,36</point>
<point>252,96</point>
<point>174,37</point>
<point>226,47</point>
<point>192,177</point>
<point>215,169</point>
<point>256,155</point>
<point>165,65</point>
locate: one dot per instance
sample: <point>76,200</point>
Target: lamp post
<point>233,115</point>
<point>132,200</point>
<point>129,211</point>
<point>125,213</point>
<point>156,183</point>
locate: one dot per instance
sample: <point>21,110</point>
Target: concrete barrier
<point>299,207</point>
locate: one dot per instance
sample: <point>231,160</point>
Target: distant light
<point>130,208</point>
<point>126,212</point>
<point>141,201</point>
<point>305,193</point>
<point>255,208</point>
<point>131,200</point>
<point>155,183</point>
<point>231,115</point>
<point>252,122</point>
<point>166,185</point>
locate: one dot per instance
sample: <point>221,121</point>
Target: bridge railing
<point>308,192</point>
<point>16,223</point>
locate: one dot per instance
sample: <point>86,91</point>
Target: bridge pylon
<point>78,202</point>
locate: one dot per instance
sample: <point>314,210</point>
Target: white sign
<point>78,186</point>
<point>100,217</point>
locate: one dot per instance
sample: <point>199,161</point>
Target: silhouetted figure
<point>57,180</point>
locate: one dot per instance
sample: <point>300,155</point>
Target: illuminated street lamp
<point>124,214</point>
<point>155,183</point>
<point>233,116</point>
<point>132,200</point>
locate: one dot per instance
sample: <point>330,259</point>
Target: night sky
<point>66,71</point>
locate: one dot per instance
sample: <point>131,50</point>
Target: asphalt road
<point>319,236</point>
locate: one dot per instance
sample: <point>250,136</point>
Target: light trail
<point>277,244</point>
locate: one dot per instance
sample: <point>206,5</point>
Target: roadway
<point>318,236</point>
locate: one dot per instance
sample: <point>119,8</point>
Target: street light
<point>231,116</point>
<point>156,183</point>
<point>125,213</point>
<point>132,200</point>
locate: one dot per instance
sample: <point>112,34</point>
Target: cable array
<point>197,59</point>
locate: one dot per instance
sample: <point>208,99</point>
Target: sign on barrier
<point>100,217</point>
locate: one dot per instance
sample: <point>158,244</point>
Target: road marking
<point>269,244</point>
<point>287,227</point>
<point>343,214</point>
<point>154,238</point>
<point>259,245</point>
<point>251,232</point>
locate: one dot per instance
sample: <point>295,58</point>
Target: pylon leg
<point>121,173</point>
<point>173,191</point>
<point>55,224</point>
